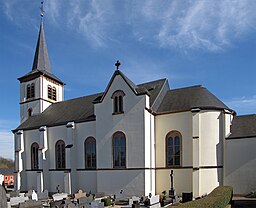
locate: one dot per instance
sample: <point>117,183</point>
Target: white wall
<point>87,181</point>
<point>41,91</point>
<point>181,122</point>
<point>132,123</point>
<point>182,179</point>
<point>132,182</point>
<point>240,165</point>
<point>83,131</point>
<point>211,151</point>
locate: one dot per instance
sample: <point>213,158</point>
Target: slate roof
<point>185,99</point>
<point>7,171</point>
<point>41,58</point>
<point>153,88</point>
<point>82,109</point>
<point>243,127</point>
<point>36,73</point>
<point>41,63</point>
<point>78,109</point>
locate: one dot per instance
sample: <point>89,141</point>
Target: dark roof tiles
<point>185,99</point>
<point>41,58</point>
<point>243,127</point>
<point>7,171</point>
<point>82,109</point>
<point>77,110</point>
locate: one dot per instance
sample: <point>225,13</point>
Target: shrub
<point>107,201</point>
<point>220,197</point>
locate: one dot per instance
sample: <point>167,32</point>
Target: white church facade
<point>129,137</point>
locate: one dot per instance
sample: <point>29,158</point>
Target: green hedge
<point>107,201</point>
<point>218,198</point>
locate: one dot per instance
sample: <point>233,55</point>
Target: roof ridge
<point>193,86</point>
<point>95,94</point>
<point>157,80</point>
<point>252,114</point>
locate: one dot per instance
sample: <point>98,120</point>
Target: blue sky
<point>212,43</point>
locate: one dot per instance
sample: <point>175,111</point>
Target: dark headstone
<point>136,205</point>
<point>187,196</point>
<point>56,203</point>
<point>3,198</point>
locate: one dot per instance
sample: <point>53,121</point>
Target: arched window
<point>29,112</point>
<point>54,93</point>
<point>28,91</point>
<point>90,153</point>
<point>173,149</point>
<point>118,101</point>
<point>49,91</point>
<point>60,155</point>
<point>34,156</point>
<point>119,150</point>
<point>32,90</point>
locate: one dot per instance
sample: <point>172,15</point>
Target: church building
<point>128,138</point>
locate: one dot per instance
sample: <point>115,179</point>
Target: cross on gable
<point>117,64</point>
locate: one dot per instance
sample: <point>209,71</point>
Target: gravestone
<point>80,194</point>
<point>3,198</point>
<point>59,196</point>
<point>34,196</point>
<point>18,199</point>
<point>99,194</point>
<point>97,204</point>
<point>55,203</point>
<point>85,201</point>
<point>154,200</point>
<point>43,195</point>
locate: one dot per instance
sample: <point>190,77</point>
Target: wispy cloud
<point>178,24</point>
<point>210,25</point>
<point>92,19</point>
<point>243,105</point>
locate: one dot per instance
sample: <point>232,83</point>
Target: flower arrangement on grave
<point>162,198</point>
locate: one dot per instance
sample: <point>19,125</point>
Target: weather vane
<point>117,64</point>
<point>42,9</point>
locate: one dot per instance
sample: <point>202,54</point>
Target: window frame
<point>28,91</point>
<point>32,90</point>
<point>34,156</point>
<point>30,111</point>
<point>119,135</point>
<point>54,93</point>
<point>118,104</point>
<point>60,157</point>
<point>173,134</point>
<point>90,140</point>
<point>49,92</point>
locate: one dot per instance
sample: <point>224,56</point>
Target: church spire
<point>41,59</point>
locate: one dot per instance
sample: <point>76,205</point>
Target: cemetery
<point>31,198</point>
<point>219,197</point>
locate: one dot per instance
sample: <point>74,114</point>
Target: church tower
<point>39,88</point>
